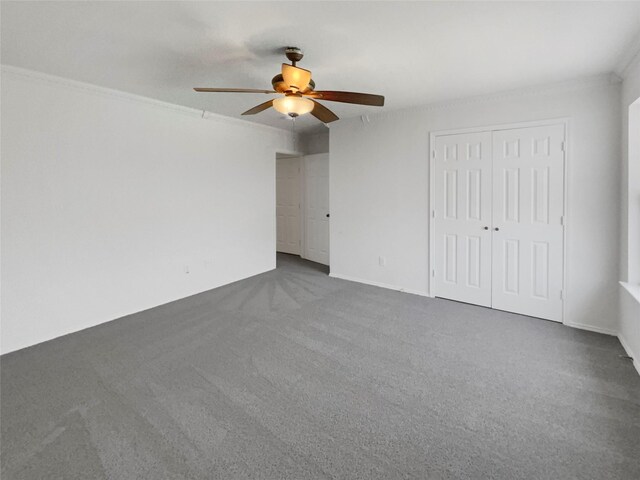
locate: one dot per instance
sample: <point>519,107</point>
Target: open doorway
<point>302,206</point>
<point>288,204</point>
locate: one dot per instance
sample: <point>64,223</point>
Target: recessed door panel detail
<point>451,258</point>
<point>474,151</point>
<point>511,186</point>
<point>540,270</point>
<point>541,147</point>
<point>450,152</point>
<point>474,200</point>
<point>511,148</point>
<point>473,262</point>
<point>511,266</point>
<point>540,195</point>
<point>498,203</point>
<point>451,193</point>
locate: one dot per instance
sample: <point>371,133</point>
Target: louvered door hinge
<point>561,219</point>
<point>562,147</point>
<point>433,272</point>
<point>433,154</point>
<point>561,295</point>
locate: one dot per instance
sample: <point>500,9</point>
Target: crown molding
<point>579,84</point>
<point>130,97</point>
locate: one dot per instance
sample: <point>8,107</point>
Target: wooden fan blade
<point>323,114</point>
<point>259,108</point>
<point>232,90</point>
<point>348,97</point>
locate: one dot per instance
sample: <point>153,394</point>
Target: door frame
<point>566,123</point>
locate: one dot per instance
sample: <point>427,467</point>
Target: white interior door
<point>317,208</point>
<point>288,205</point>
<point>463,217</point>
<point>528,204</point>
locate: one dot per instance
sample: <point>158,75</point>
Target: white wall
<point>380,190</point>
<point>315,141</point>
<point>107,197</point>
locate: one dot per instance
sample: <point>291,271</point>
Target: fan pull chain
<point>293,132</point>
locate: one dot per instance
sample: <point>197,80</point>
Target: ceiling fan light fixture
<point>293,105</point>
<point>295,84</point>
<point>296,78</point>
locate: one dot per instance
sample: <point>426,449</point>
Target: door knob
<point>486,228</point>
<point>327,215</point>
<point>496,229</point>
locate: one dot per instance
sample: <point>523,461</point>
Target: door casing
<point>565,121</point>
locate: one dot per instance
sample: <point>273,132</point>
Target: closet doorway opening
<point>498,217</point>
<point>302,206</point>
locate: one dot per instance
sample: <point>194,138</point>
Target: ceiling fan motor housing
<point>281,87</point>
<point>294,54</point>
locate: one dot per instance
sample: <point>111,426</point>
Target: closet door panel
<point>463,216</point>
<point>528,204</point>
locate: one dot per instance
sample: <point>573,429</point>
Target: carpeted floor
<point>295,375</point>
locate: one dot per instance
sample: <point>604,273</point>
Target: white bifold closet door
<point>463,217</point>
<point>528,200</point>
<point>499,200</point>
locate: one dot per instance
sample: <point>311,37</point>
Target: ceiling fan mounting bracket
<point>294,54</point>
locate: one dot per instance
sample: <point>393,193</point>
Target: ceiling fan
<point>299,94</point>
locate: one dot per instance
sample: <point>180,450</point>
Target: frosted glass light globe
<point>293,105</point>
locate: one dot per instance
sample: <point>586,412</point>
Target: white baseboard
<point>379,284</point>
<point>592,328</point>
<point>627,348</point>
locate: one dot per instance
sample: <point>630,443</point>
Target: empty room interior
<point>320,240</point>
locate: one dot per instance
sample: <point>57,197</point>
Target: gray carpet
<point>292,374</point>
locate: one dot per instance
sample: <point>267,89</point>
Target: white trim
<point>566,149</point>
<point>565,122</point>
<point>502,126</point>
<point>633,289</point>
<point>130,97</point>
<point>432,219</point>
<point>303,205</point>
<point>591,328</point>
<point>379,284</point>
<point>627,348</point>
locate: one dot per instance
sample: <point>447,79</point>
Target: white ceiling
<point>411,52</point>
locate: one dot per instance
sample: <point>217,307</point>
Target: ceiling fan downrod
<point>294,54</point>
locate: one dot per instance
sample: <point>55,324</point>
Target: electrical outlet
<point>382,261</point>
